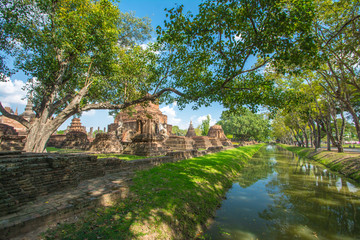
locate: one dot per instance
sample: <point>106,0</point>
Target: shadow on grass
<point>171,201</point>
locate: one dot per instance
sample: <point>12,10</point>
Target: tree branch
<point>341,29</point>
<point>60,102</point>
<point>255,68</point>
<point>107,105</point>
<point>14,117</point>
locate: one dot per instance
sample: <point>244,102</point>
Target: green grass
<point>120,156</point>
<point>62,150</point>
<point>171,201</point>
<point>101,155</point>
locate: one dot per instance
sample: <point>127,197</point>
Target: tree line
<point>326,91</point>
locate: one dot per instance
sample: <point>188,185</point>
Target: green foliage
<point>61,132</point>
<point>205,126</point>
<point>96,132</point>
<point>62,150</point>
<point>245,126</point>
<point>66,46</point>
<point>218,54</point>
<point>120,156</point>
<point>198,130</point>
<point>178,132</point>
<point>79,55</point>
<point>331,88</point>
<point>230,136</point>
<point>167,202</point>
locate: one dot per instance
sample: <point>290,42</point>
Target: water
<point>281,196</point>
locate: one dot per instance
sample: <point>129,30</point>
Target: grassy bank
<point>171,201</point>
<point>348,164</point>
<point>120,156</point>
<point>63,150</point>
<point>99,155</point>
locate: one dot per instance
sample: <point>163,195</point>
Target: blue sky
<point>12,95</point>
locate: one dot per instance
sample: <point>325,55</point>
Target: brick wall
<point>23,177</point>
<point>18,126</point>
<point>26,176</point>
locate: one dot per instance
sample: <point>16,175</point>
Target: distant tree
<point>246,125</point>
<point>230,136</point>
<point>178,132</point>
<point>205,126</point>
<point>96,132</point>
<point>60,132</point>
<point>197,131</point>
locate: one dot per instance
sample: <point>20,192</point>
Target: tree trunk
<point>312,133</point>
<point>38,136</point>
<point>340,148</point>
<point>306,138</point>
<point>354,117</point>
<point>318,134</point>
<point>40,131</point>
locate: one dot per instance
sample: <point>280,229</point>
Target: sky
<point>11,93</point>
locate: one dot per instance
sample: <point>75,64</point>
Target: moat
<point>281,196</point>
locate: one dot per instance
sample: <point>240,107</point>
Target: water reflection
<point>281,196</point>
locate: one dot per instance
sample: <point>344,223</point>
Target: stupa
<point>143,129</point>
<point>76,136</point>
<point>28,114</point>
<point>216,132</point>
<point>180,143</point>
<point>191,131</point>
<point>202,142</point>
<point>76,126</point>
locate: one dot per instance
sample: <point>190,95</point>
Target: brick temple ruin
<point>142,130</point>
<point>43,189</point>
<point>12,133</point>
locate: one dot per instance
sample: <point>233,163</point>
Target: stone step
<point>49,209</point>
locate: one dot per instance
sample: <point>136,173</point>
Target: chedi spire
<point>191,131</point>
<point>28,114</point>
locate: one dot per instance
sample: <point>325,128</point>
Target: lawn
<point>120,156</point>
<point>171,201</point>
<point>63,150</point>
<point>100,155</point>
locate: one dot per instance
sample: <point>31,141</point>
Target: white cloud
<point>171,114</point>
<point>202,118</point>
<point>144,46</point>
<point>11,92</point>
<point>89,113</point>
<point>238,38</point>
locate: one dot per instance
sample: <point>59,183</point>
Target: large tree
<point>83,54</point>
<point>219,53</point>
<point>245,126</point>
<point>79,55</point>
<point>205,126</point>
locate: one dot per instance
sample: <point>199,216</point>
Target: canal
<point>281,196</point>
